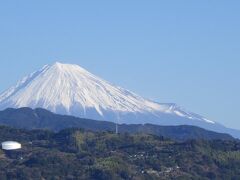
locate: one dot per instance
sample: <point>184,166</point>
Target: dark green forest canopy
<point>80,154</point>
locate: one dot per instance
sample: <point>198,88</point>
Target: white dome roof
<point>11,145</point>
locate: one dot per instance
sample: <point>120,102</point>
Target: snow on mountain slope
<point>71,90</point>
<point>67,85</point>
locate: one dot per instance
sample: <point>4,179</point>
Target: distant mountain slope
<point>71,90</point>
<point>42,119</point>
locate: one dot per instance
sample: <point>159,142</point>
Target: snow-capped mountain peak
<point>70,89</point>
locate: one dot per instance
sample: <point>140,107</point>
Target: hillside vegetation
<point>80,154</point>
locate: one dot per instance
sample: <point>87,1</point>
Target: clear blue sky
<point>187,52</point>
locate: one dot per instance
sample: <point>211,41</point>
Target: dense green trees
<point>79,154</point>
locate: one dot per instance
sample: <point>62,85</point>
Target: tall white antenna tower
<point>118,118</point>
<point>117,121</point>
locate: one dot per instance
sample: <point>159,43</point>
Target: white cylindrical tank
<point>11,145</point>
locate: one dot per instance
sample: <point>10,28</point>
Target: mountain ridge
<point>71,90</point>
<point>27,118</point>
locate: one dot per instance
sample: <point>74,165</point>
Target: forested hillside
<point>80,154</point>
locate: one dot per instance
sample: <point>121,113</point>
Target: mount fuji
<point>71,90</point>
